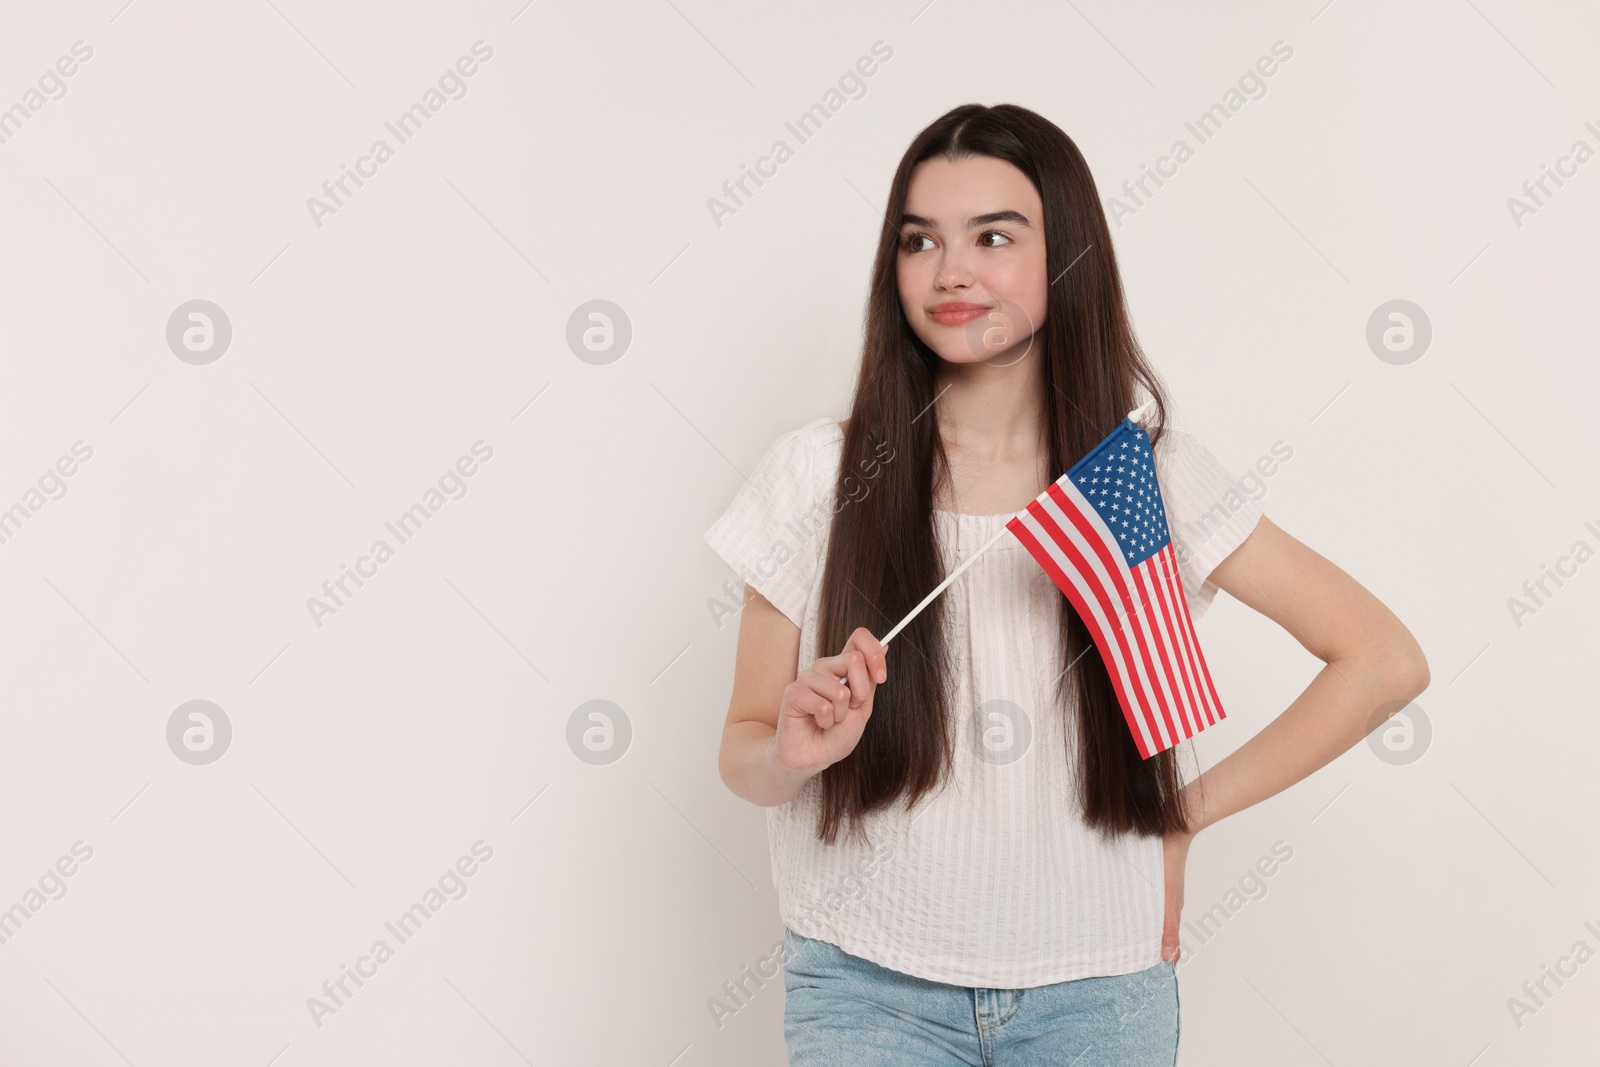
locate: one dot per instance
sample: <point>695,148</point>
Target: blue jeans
<point>844,1011</point>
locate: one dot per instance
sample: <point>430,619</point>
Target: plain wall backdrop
<point>428,343</point>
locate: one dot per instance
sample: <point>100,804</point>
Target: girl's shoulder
<point>822,438</point>
<point>767,533</point>
<point>825,428</point>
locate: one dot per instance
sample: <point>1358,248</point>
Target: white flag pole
<point>942,586</point>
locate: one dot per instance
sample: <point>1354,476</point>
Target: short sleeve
<point>771,532</point>
<point>1208,512</point>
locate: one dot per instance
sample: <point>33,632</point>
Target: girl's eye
<point>909,242</point>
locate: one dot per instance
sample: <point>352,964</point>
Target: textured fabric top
<point>995,881</point>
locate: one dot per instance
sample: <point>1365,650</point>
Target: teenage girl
<point>1008,882</point>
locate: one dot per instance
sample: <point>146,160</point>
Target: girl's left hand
<point>1175,849</point>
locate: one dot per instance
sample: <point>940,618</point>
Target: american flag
<point>1101,534</point>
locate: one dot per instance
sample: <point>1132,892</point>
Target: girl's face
<point>971,263</point>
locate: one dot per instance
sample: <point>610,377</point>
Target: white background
<point>430,312</point>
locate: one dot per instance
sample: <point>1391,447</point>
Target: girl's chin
<point>1003,357</point>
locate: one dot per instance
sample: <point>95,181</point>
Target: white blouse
<point>995,881</point>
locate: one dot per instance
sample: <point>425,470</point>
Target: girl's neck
<point>991,413</point>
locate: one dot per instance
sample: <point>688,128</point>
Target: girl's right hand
<point>821,719</point>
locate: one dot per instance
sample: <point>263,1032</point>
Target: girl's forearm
<point>747,767</point>
<point>1335,712</point>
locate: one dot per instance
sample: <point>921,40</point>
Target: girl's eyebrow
<point>973,223</point>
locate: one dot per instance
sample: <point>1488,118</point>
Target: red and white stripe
<point>1138,617</point>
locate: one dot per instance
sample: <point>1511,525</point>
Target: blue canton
<point>1118,479</point>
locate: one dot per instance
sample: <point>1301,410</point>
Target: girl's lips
<point>956,316</point>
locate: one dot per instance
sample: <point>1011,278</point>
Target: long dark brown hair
<point>882,557</point>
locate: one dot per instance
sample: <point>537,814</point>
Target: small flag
<point>1101,534</point>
